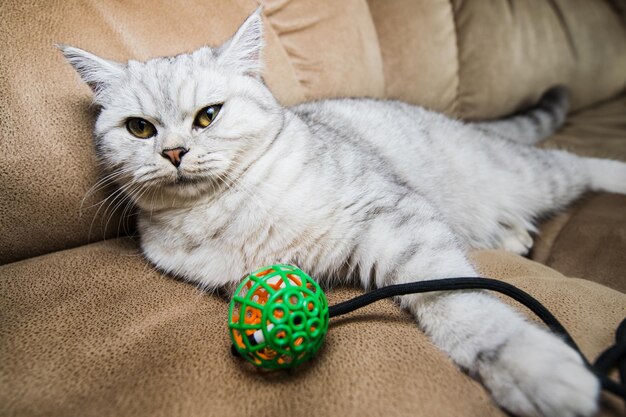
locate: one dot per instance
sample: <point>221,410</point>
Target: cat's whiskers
<point>140,176</point>
<point>130,203</point>
<point>112,197</point>
<point>125,194</point>
<point>156,180</point>
<point>199,170</point>
<point>111,209</point>
<point>154,192</point>
<point>105,181</point>
<point>110,178</point>
<point>206,161</point>
<point>129,206</point>
<point>128,200</point>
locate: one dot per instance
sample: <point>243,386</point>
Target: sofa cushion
<point>589,240</point>
<point>485,59</point>
<point>331,47</point>
<point>314,49</point>
<point>511,52</point>
<point>419,50</point>
<point>95,331</point>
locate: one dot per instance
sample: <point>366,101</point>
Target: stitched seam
<point>381,59</point>
<point>303,94</point>
<point>456,104</point>
<point>564,27</point>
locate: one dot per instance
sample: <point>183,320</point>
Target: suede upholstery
<point>485,59</point>
<point>418,43</point>
<point>589,240</point>
<point>94,331</point>
<point>88,327</point>
<point>579,43</point>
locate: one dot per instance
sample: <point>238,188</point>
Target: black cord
<point>612,357</point>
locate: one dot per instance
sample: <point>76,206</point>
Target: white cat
<point>228,180</point>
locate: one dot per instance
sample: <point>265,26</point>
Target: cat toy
<point>279,317</point>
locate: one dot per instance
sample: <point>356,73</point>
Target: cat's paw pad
<point>537,374</point>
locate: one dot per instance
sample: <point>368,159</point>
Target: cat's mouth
<point>186,180</point>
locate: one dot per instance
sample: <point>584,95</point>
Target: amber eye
<point>140,128</point>
<point>206,116</point>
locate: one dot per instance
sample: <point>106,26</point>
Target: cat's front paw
<point>536,374</point>
<point>517,240</point>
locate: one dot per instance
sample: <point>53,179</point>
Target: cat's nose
<point>174,155</point>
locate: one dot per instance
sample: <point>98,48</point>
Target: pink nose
<point>174,155</point>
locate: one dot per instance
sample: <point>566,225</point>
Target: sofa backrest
<point>314,49</point>
<point>469,59</point>
<point>488,58</point>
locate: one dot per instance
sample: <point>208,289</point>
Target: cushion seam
<point>380,51</point>
<point>292,68</point>
<point>456,104</point>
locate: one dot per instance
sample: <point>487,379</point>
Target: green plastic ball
<point>278,317</point>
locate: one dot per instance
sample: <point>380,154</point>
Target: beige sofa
<point>87,327</point>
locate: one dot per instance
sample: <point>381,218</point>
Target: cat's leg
<point>528,370</point>
<point>517,239</point>
<point>541,182</point>
<point>606,175</point>
<point>557,177</point>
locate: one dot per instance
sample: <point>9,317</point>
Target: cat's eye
<point>206,116</point>
<point>140,128</point>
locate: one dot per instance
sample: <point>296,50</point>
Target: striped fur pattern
<point>380,192</point>
<point>531,127</point>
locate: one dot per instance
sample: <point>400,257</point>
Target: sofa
<point>89,328</point>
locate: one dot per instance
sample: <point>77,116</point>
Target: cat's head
<point>182,126</point>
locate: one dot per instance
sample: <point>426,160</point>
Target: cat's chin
<point>182,181</point>
<point>176,194</point>
<point>189,187</point>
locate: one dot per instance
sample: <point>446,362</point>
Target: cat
<point>382,192</point>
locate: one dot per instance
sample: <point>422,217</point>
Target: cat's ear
<point>242,52</point>
<point>98,73</point>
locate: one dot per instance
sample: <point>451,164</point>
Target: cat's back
<point>362,114</point>
<point>392,127</point>
<point>409,140</point>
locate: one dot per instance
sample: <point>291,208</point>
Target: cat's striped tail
<point>535,124</point>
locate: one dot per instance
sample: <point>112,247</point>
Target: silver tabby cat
<point>228,180</point>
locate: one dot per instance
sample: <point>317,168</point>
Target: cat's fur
<point>378,191</point>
